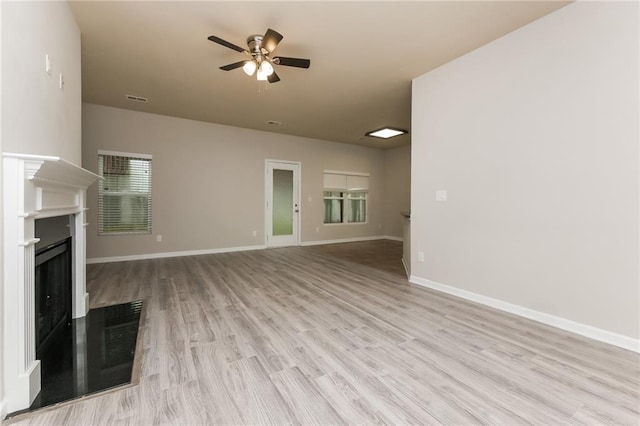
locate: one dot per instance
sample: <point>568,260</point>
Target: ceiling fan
<point>260,47</point>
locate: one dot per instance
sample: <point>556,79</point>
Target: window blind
<point>124,194</point>
<point>344,181</point>
<point>357,183</point>
<point>335,181</point>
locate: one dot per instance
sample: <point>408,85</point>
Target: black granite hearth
<point>93,354</point>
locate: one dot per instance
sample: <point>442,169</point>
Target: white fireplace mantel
<point>35,187</point>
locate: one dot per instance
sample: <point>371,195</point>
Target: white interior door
<point>282,203</point>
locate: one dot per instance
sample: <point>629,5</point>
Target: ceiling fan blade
<point>292,62</point>
<point>225,43</point>
<point>273,78</point>
<point>271,39</point>
<point>233,66</point>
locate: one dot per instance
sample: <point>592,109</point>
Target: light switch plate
<point>441,195</point>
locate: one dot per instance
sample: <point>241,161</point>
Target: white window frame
<point>101,193</point>
<point>346,199</point>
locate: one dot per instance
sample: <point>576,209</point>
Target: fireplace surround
<point>36,187</point>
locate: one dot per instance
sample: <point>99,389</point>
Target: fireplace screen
<point>52,293</point>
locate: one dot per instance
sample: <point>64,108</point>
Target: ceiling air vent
<point>137,99</point>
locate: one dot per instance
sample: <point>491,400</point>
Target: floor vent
<point>137,99</point>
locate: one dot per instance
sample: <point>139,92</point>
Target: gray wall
<point>535,138</point>
<point>208,181</point>
<point>397,189</point>
<point>2,392</point>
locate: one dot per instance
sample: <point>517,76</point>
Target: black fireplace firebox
<point>53,284</point>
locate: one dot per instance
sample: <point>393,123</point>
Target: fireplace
<point>52,294</point>
<point>34,188</point>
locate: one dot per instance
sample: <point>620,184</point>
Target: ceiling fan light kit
<point>249,68</point>
<point>260,48</point>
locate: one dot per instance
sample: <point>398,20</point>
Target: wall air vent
<point>137,98</point>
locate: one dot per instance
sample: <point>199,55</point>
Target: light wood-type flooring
<point>384,255</point>
<point>302,336</point>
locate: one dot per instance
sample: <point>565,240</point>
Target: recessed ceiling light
<point>386,133</point>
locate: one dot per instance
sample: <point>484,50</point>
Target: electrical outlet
<point>317,229</point>
<point>255,233</point>
<point>441,195</point>
<point>420,256</point>
<point>159,238</point>
<point>47,64</point>
<point>61,81</point>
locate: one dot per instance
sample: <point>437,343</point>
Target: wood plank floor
<point>383,255</point>
<point>301,336</point>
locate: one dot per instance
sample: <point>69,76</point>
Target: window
<point>345,197</point>
<point>357,207</point>
<point>333,206</point>
<point>124,195</point>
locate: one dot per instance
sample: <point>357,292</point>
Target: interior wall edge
<point>3,409</point>
<point>584,330</point>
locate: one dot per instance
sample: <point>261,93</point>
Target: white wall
<point>39,117</point>
<point>36,117</point>
<point>208,181</point>
<point>535,138</point>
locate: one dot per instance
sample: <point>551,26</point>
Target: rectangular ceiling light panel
<point>386,133</point>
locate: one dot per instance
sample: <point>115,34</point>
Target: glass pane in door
<point>282,202</point>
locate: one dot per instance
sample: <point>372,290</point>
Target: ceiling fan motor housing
<point>255,46</point>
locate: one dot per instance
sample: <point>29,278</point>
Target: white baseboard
<point>349,240</point>
<point>3,409</point>
<point>542,317</point>
<point>406,270</point>
<point>392,238</point>
<point>171,254</point>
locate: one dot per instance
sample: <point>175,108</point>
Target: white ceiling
<point>363,58</point>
